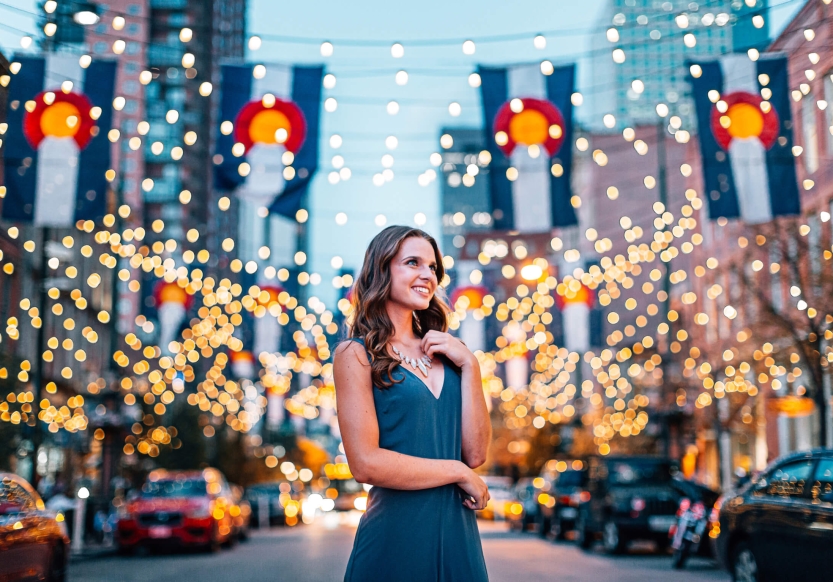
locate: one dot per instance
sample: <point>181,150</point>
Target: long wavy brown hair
<point>371,292</point>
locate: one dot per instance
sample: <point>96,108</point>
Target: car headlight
<point>62,524</point>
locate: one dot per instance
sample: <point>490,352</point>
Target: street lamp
<point>86,14</point>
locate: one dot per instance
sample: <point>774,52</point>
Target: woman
<point>413,420</point>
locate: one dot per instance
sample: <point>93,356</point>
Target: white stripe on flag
<point>277,81</point>
<point>531,190</point>
<point>575,319</point>
<point>265,181</point>
<point>265,177</point>
<point>57,171</point>
<point>283,240</point>
<point>57,181</point>
<point>267,335</point>
<point>747,156</point>
<point>63,67</point>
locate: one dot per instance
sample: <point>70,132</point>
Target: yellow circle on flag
<point>265,124</point>
<point>746,120</point>
<point>529,127</point>
<point>60,119</point>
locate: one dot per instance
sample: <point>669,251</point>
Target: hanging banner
<point>743,112</point>
<point>172,304</point>
<point>528,120</point>
<point>575,301</point>
<point>268,135</point>
<point>56,147</point>
<point>472,329</point>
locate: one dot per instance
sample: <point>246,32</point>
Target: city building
<point>640,60</point>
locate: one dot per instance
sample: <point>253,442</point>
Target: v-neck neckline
<point>427,387</point>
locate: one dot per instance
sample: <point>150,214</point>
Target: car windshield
<point>639,472</point>
<point>14,498</point>
<point>174,488</point>
<point>570,478</point>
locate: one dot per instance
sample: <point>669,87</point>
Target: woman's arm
<point>477,428</point>
<point>360,433</point>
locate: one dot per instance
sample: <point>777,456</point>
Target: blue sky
<point>365,83</point>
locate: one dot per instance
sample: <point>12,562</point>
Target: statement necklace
<point>422,364</point>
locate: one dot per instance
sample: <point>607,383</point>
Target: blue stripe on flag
<point>237,91</point>
<point>717,170</point>
<point>94,160</point>
<point>494,90</point>
<point>560,87</point>
<point>20,162</point>
<point>783,183</point>
<point>306,93</point>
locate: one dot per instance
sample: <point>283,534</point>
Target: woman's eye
<point>412,262</point>
<point>433,268</point>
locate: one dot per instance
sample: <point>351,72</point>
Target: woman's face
<point>413,274</point>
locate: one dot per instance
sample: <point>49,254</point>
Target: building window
<point>100,47</point>
<point>134,9</point>
<point>810,134</point>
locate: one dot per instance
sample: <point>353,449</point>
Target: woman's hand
<point>437,342</point>
<point>477,493</point>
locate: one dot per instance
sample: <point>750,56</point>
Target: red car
<point>187,508</point>
<point>33,541</point>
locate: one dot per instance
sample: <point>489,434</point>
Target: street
<point>317,553</point>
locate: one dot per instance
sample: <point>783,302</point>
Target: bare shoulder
<point>351,370</point>
<point>349,352</point>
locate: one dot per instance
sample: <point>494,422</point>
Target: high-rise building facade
<point>639,59</point>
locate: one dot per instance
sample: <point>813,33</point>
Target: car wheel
<point>543,525</point>
<point>613,541</point>
<point>678,559</point>
<point>744,564</point>
<point>555,530</point>
<point>57,564</point>
<point>584,538</point>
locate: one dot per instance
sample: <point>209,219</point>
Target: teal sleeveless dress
<point>424,535</point>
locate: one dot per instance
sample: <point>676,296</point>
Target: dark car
<point>264,500</point>
<point>629,498</point>
<point>33,541</point>
<point>779,526</point>
<point>562,486</point>
<point>524,509</point>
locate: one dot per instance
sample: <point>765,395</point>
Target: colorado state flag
<point>745,132</point>
<point>528,119</point>
<point>56,147</point>
<point>268,140</point>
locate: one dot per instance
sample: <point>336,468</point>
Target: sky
<point>365,83</point>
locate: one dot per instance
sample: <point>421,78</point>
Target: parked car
<point>189,508</point>
<point>268,493</point>
<point>33,541</point>
<point>628,498</point>
<point>524,508</point>
<point>501,497</point>
<point>561,486</point>
<point>241,512</point>
<point>779,526</point>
